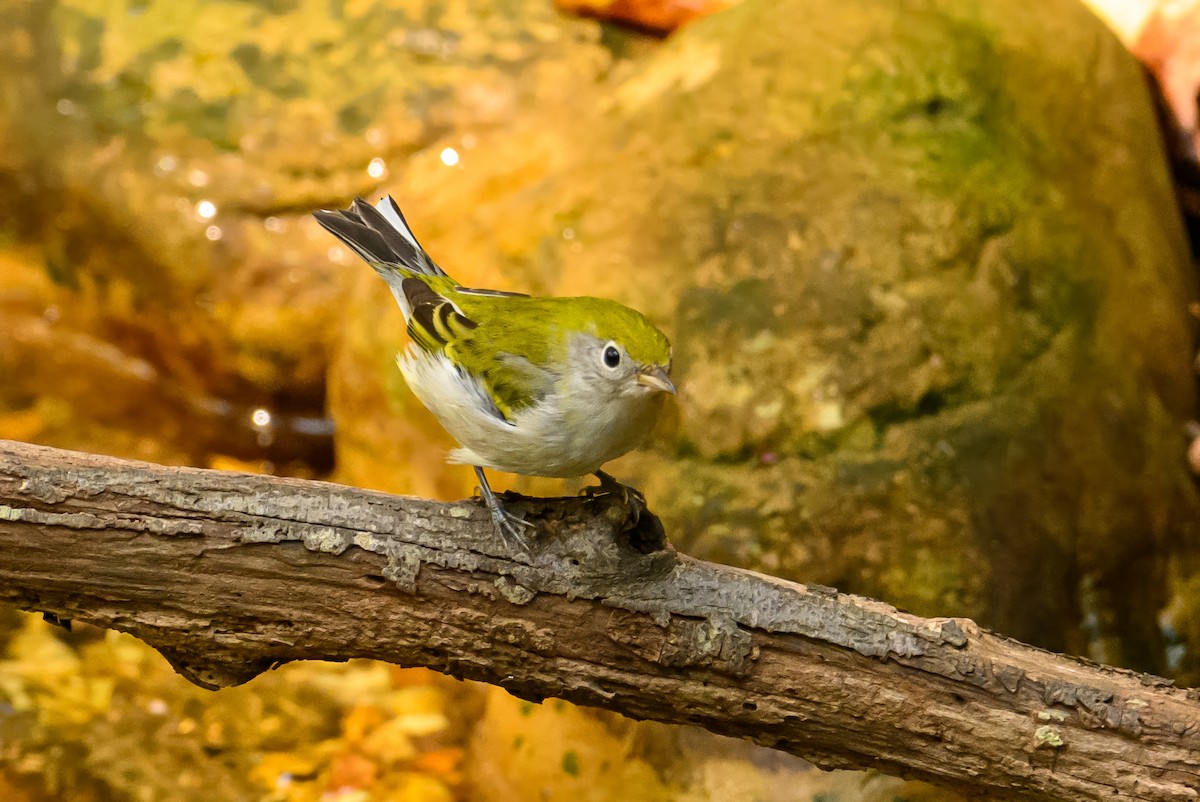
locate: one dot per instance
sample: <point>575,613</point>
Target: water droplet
<point>568,233</point>
<point>206,210</point>
<point>468,141</point>
<point>213,233</point>
<point>449,157</point>
<point>377,169</point>
<point>261,417</point>
<point>198,178</point>
<point>273,224</point>
<point>165,165</point>
<point>65,107</point>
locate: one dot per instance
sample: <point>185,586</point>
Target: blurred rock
<point>110,720</point>
<point>162,158</point>
<point>659,16</point>
<point>931,334</point>
<point>1165,35</point>
<point>1169,44</point>
<point>554,750</point>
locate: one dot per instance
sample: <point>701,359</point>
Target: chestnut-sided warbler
<point>538,386</point>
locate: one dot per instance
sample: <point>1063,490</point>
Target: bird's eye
<point>612,357</point>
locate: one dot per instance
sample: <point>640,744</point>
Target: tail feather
<point>381,236</point>
<point>388,208</point>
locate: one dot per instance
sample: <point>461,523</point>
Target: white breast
<point>561,437</point>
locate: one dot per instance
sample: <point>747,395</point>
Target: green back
<point>519,345</point>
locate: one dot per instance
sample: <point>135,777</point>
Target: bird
<point>539,386</point>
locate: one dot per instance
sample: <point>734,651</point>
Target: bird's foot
<point>631,497</point>
<point>610,486</point>
<point>512,528</point>
<point>515,531</point>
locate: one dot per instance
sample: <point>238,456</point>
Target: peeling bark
<point>229,575</point>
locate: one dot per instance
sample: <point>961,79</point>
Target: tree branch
<point>229,575</point>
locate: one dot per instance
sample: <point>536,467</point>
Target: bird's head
<point>621,353</point>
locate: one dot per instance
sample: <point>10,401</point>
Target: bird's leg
<point>511,528</point>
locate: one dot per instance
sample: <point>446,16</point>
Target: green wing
<point>501,338</point>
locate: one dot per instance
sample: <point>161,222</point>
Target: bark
<point>229,575</point>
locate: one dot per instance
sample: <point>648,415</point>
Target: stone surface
<point>931,333</point>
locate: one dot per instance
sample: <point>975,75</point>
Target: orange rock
<point>660,16</point>
<point>1169,45</point>
<point>1165,35</point>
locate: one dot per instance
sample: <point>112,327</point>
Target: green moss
<point>1047,736</point>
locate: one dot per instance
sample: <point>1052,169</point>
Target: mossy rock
<point>163,159</point>
<point>928,291</point>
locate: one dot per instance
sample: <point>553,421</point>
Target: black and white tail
<point>381,236</point>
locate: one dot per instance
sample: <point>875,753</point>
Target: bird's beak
<point>655,378</point>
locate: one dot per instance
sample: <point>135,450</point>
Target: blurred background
<point>926,267</point>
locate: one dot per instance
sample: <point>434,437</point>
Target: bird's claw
<point>631,497</point>
<point>512,529</point>
<point>610,486</point>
